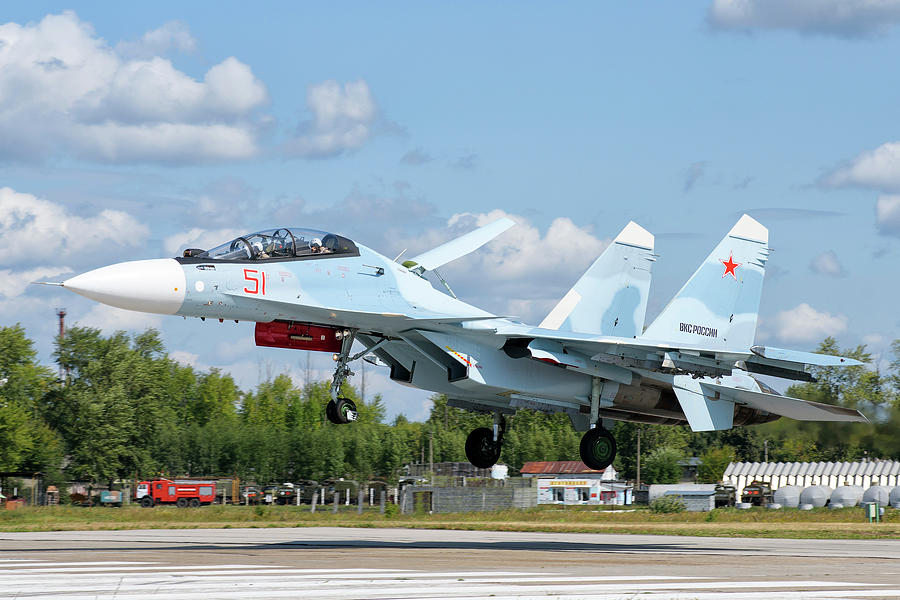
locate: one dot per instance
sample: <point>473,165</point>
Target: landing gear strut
<point>483,445</point>
<point>343,410</point>
<point>598,446</point>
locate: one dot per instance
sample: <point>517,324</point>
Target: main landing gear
<point>483,445</point>
<point>598,448</point>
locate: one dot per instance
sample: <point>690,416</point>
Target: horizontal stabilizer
<point>459,247</point>
<point>805,358</point>
<point>794,408</point>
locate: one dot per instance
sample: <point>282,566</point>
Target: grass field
<point>847,523</point>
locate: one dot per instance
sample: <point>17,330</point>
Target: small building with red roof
<point>573,482</point>
<point>566,469</point>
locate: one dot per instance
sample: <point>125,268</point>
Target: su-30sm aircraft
<point>591,357</point>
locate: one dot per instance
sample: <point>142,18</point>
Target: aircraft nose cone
<point>154,286</point>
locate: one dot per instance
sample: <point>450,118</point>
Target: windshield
<point>283,243</point>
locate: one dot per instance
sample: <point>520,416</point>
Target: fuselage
<point>429,339</point>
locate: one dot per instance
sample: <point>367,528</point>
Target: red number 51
<point>251,275</point>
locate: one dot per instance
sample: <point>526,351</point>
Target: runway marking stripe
<point>562,580</point>
<point>397,588</point>
<point>261,568</point>
<point>786,595</point>
<point>29,563</point>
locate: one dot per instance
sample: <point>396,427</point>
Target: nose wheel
<point>341,412</point>
<point>598,448</point>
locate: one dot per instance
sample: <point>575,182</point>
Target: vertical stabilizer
<point>717,308</point>
<point>611,296</point>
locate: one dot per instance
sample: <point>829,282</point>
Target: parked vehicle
<point>268,494</point>
<point>181,493</point>
<point>725,495</point>
<point>250,494</point>
<point>758,493</point>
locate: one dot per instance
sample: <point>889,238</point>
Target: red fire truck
<point>181,493</point>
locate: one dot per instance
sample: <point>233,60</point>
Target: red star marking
<point>730,266</point>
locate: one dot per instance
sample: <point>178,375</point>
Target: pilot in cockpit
<point>316,247</point>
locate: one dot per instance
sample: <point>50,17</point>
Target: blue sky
<point>129,132</point>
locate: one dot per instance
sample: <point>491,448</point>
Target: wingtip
<point>635,235</point>
<point>749,228</point>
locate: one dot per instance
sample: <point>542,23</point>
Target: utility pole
<point>637,486</point>
<point>766,450</point>
<point>61,313</point>
<point>431,456</point>
<point>363,382</point>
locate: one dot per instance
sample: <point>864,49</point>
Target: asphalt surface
<point>339,563</point>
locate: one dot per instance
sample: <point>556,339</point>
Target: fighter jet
<point>591,357</point>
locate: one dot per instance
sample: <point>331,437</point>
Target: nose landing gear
<point>343,410</point>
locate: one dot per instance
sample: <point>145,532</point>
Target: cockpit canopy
<point>281,244</point>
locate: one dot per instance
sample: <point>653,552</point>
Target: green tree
<point>652,436</point>
<point>26,441</point>
<point>713,464</point>
<point>661,465</point>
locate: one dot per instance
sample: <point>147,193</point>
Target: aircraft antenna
<point>399,255</point>
<point>444,281</point>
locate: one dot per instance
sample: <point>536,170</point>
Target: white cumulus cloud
<point>199,238</point>
<point>34,231</point>
<point>843,18</point>
<point>173,35</point>
<point>64,90</point>
<point>827,263</point>
<point>15,283</point>
<point>804,324</point>
<point>878,169</point>
<point>342,119</point>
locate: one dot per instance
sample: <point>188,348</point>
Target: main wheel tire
<point>195,502</point>
<point>181,503</point>
<point>342,408</point>
<point>598,448</point>
<point>481,449</point>
<point>147,502</point>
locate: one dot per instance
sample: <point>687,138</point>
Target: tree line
<point>124,409</point>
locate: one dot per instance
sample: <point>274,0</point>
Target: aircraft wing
<point>458,247</point>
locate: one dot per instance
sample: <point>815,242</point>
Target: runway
<point>340,563</point>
